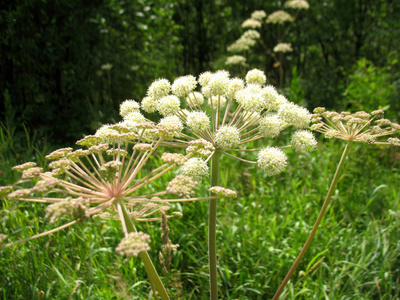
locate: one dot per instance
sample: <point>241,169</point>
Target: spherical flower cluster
<point>149,105</point>
<point>196,168</point>
<point>258,15</point>
<point>182,186</point>
<point>297,4</point>
<point>252,101</point>
<point>159,88</point>
<point>215,100</point>
<point>205,78</point>
<point>182,86</point>
<point>239,46</point>
<point>235,60</point>
<point>271,97</point>
<point>172,123</point>
<point>303,140</point>
<point>223,192</point>
<point>195,98</point>
<point>272,160</point>
<point>270,126</point>
<point>295,115</point>
<point>168,105</point>
<point>256,76</point>
<point>105,132</point>
<point>127,107</point>
<point>235,85</point>
<point>227,137</point>
<point>251,34</point>
<point>133,244</point>
<point>279,17</point>
<point>136,117</point>
<point>251,23</point>
<point>218,83</point>
<point>283,47</point>
<point>198,121</point>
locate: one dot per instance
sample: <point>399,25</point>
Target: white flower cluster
<point>283,47</point>
<point>279,17</point>
<point>297,4</point>
<point>235,60</point>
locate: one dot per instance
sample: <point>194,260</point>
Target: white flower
<point>227,137</point>
<point>270,126</point>
<point>251,23</point>
<point>168,105</point>
<point>218,83</point>
<point>159,88</point>
<point>256,76</point>
<point>272,160</point>
<point>236,60</point>
<point>195,98</point>
<point>297,4</point>
<point>195,167</point>
<point>182,86</point>
<point>258,15</point>
<point>283,47</point>
<point>149,105</point>
<point>295,115</point>
<point>198,121</point>
<point>303,140</point>
<point>127,107</point>
<point>279,17</point>
<point>215,100</point>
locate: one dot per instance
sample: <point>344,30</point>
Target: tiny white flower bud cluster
<point>198,121</point>
<point>168,105</point>
<point>75,208</point>
<point>127,107</point>
<point>182,186</point>
<point>251,23</point>
<point>200,148</point>
<point>176,158</point>
<point>134,243</point>
<point>223,192</point>
<point>258,15</point>
<point>184,85</point>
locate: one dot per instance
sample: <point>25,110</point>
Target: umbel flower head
<point>228,113</point>
<point>111,173</point>
<point>371,128</point>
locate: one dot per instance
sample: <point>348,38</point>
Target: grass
<point>355,255</point>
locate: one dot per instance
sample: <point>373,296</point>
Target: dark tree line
<point>66,65</point>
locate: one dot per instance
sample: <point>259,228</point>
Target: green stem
<point>317,222</point>
<point>212,230</point>
<point>148,264</point>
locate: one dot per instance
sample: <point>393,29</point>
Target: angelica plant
<point>222,118</point>
<point>360,127</point>
<point>279,23</point>
<point>106,179</point>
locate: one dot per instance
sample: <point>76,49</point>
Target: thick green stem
<point>317,222</point>
<point>212,230</point>
<point>148,264</point>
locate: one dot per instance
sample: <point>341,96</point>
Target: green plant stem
<point>148,264</point>
<point>317,222</point>
<point>212,230</point>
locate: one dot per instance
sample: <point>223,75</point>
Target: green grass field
<point>355,254</point>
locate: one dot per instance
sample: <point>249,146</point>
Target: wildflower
<point>295,115</point>
<point>127,107</point>
<point>270,126</point>
<point>297,4</point>
<point>195,99</point>
<point>149,104</point>
<point>196,168</point>
<point>175,158</point>
<point>227,137</point>
<point>158,89</point>
<point>198,121</point>
<point>75,208</point>
<point>303,140</point>
<point>251,34</point>
<point>235,60</point>
<point>184,85</point>
<point>133,244</point>
<point>235,85</point>
<point>219,83</point>
<point>182,186</point>
<point>205,78</point>
<point>168,105</point>
<point>279,17</point>
<point>217,101</point>
<point>258,15</point>
<point>251,23</point>
<point>283,47</point>
<point>272,160</point>
<point>256,76</point>
<point>223,192</point>
<point>25,166</point>
<point>172,125</point>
